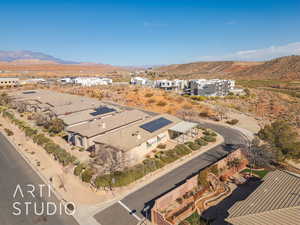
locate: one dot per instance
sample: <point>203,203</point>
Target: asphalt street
<point>133,207</point>
<point>15,171</point>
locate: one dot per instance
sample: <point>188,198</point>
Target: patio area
<point>184,131</point>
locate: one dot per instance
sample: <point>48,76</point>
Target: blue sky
<point>152,32</point>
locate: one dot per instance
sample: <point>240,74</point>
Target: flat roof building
<point>139,139</point>
<point>84,134</point>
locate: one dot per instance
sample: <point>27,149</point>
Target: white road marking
<point>130,211</point>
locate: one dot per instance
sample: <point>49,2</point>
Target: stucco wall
<point>138,153</point>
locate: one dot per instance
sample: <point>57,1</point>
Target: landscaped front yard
<point>194,219</point>
<point>259,173</point>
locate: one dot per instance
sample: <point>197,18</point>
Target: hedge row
<point>60,154</point>
<point>162,158</point>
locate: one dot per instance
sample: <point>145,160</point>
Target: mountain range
<point>283,68</point>
<point>28,56</point>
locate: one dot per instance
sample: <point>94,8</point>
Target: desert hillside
<point>205,69</point>
<point>284,68</point>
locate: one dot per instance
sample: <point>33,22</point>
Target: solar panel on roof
<point>102,110</point>
<point>155,125</point>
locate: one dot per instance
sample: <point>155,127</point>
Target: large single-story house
<point>88,115</point>
<point>83,135</point>
<point>139,139</point>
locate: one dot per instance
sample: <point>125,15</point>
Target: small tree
<point>202,178</point>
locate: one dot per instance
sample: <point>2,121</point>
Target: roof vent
<point>104,125</point>
<point>138,136</point>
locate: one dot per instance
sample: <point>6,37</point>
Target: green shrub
<point>78,169</point>
<point>102,181</point>
<point>87,175</point>
<point>209,138</point>
<point>193,145</point>
<point>199,98</point>
<point>201,141</point>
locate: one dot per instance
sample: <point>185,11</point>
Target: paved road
<point>15,171</point>
<point>118,214</point>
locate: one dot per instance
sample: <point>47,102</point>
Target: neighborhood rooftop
<point>106,124</point>
<point>54,99</point>
<point>275,201</point>
<point>130,137</point>
<point>86,115</point>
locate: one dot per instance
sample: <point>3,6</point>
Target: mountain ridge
<point>282,68</point>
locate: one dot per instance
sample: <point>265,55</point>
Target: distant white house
<point>92,81</point>
<point>66,80</point>
<point>140,81</point>
<point>169,85</point>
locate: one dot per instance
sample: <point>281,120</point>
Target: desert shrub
<point>55,126</point>
<point>29,132</point>
<point>202,178</point>
<point>148,95</point>
<point>8,132</point>
<point>78,169</point>
<point>102,181</point>
<point>161,103</point>
<point>199,98</point>
<point>162,146</point>
<point>41,139</point>
<point>232,122</point>
<point>87,175</point>
<point>151,101</point>
<point>214,169</point>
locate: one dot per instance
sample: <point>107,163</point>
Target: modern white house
<point>92,81</point>
<point>140,81</point>
<point>66,80</point>
<point>171,85</point>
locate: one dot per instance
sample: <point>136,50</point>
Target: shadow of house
<point>219,212</point>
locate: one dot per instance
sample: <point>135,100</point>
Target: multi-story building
<point>214,87</point>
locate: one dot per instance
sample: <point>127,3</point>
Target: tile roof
<point>277,196</point>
